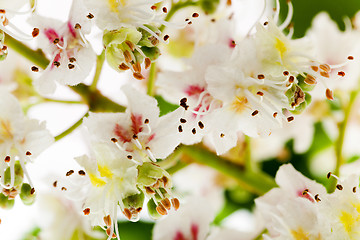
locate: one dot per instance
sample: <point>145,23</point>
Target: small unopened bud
<point>5,202</point>
<point>27,194</point>
<point>152,209</point>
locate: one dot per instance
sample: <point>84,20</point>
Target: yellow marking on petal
<point>123,2</point>
<point>96,181</point>
<point>281,47</point>
<point>347,220</point>
<point>113,4</point>
<point>299,234</point>
<point>239,104</point>
<point>5,130</point>
<point>105,171</point>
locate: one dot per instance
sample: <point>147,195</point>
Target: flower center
<point>281,47</point>
<point>239,104</point>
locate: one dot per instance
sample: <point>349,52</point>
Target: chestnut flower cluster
<point>255,84</point>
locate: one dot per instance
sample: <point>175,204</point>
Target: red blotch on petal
<point>136,123</point>
<point>194,90</point>
<point>122,134</point>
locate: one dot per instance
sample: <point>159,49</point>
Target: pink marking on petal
<point>136,123</point>
<point>51,34</point>
<point>194,231</point>
<point>307,196</point>
<point>151,137</point>
<point>71,29</point>
<point>194,90</point>
<point>56,59</point>
<point>123,135</point>
<point>231,43</point>
<point>179,236</point>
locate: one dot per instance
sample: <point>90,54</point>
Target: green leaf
<point>135,230</point>
<point>235,199</point>
<point>32,234</point>
<point>305,10</point>
<point>165,107</point>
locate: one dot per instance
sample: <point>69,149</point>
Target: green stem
<point>340,141</point>
<point>95,100</point>
<point>151,80</point>
<point>256,182</point>
<point>248,162</point>
<point>71,129</point>
<point>176,7</point>
<point>99,64</point>
<point>37,57</point>
<point>62,101</point>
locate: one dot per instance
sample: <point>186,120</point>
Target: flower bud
<point>303,85</point>
<point>5,203</point>
<point>19,175</point>
<point>3,48</point>
<point>133,206</point>
<point>152,210</point>
<point>209,6</point>
<point>151,52</point>
<point>118,46</point>
<point>27,194</point>
<point>150,173</point>
<point>148,40</point>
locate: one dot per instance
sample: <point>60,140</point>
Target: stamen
<point>315,68</point>
<point>195,15</point>
<point>107,220</point>
<point>261,76</point>
<point>180,129</point>
<point>341,74</point>
<point>317,198</point>
<point>325,67</point>
<point>339,187</point>
<point>86,211</point>
<point>288,17</point>
<point>193,131</point>
<point>310,80</point>
<point>291,118</point>
<point>176,203</point>
<point>166,203</point>
<point>69,173</point>
<point>147,63</point>
<point>138,76</point>
<point>150,154</point>
<point>161,209</point>
<point>34,69</point>
<point>324,74</point>
<point>136,141</point>
<point>329,94</point>
<point>127,213</point>
<point>90,16</point>
<point>123,67</point>
<point>35,32</point>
